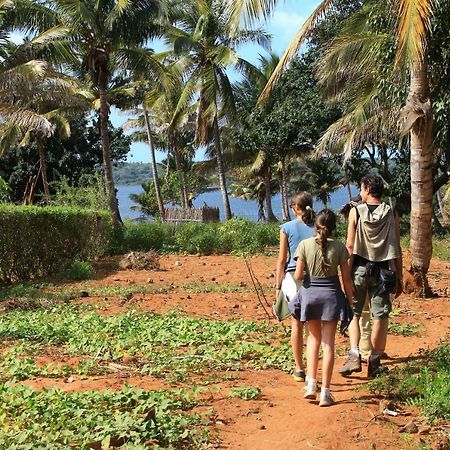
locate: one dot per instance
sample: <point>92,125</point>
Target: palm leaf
<point>295,45</point>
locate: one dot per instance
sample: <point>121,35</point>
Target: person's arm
<point>299,270</point>
<point>351,234</point>
<point>347,281</point>
<point>282,258</point>
<point>399,260</point>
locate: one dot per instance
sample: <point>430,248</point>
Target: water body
<point>240,208</point>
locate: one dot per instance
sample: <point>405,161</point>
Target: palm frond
<point>249,11</point>
<point>413,26</point>
<point>295,45</point>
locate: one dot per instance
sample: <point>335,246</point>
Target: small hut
<point>182,215</point>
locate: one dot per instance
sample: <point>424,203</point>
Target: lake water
<point>240,208</point>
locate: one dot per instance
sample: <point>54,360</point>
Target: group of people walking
<point>308,267</point>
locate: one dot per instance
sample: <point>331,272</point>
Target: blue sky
<point>286,20</point>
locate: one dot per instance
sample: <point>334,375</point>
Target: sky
<point>286,20</point>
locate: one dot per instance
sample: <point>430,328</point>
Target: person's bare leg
<point>312,348</point>
<point>365,327</point>
<point>328,339</point>
<point>297,343</point>
<point>355,333</point>
<point>379,335</point>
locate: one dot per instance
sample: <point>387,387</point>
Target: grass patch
<point>50,291</point>
<point>424,382</point>
<point>138,419</point>
<point>405,329</point>
<point>171,346</point>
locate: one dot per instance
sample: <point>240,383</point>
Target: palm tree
<point>206,41</point>
<point>107,36</point>
<point>413,27</point>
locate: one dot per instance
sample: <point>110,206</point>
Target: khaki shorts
<point>380,303</point>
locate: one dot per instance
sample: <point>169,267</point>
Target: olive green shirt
<point>310,253</point>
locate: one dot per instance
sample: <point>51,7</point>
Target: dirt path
<point>281,419</point>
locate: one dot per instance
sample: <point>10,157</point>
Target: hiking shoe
<point>299,375</point>
<point>326,400</point>
<point>353,364</point>
<point>375,369</point>
<point>310,393</point>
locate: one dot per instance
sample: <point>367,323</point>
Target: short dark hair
<point>374,184</point>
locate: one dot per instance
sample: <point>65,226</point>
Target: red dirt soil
<point>281,419</point>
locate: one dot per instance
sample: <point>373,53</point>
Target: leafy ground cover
<point>191,361</point>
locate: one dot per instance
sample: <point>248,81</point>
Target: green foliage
<point>172,346</point>
<point>39,241</point>
<point>404,329</point>
<point>245,392</point>
<point>78,270</point>
<point>132,173</point>
<point>425,384</point>
<point>201,238</point>
<point>4,191</point>
<point>89,192</point>
<point>170,190</point>
<point>53,419</point>
<point>67,159</point>
<point>239,236</point>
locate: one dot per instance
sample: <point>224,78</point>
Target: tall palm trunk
<point>159,198</point>
<point>284,190</point>
<point>42,165</point>
<point>221,170</point>
<point>268,193</point>
<point>180,171</point>
<point>107,166</point>
<point>419,102</point>
<point>347,182</point>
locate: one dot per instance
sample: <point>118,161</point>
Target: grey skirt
<point>320,298</point>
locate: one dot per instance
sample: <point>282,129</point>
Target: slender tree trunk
<point>180,171</point>
<point>107,166</point>
<point>441,206</point>
<point>267,178</point>
<point>347,181</point>
<point>42,165</point>
<point>419,102</point>
<point>159,198</point>
<point>285,190</point>
<point>221,170</point>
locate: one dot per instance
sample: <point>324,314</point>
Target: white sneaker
<point>326,399</point>
<point>310,392</point>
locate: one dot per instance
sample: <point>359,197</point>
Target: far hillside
<point>132,173</point>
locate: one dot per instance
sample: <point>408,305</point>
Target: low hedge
<point>234,236</point>
<point>36,241</point>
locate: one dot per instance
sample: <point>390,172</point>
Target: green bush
<point>39,241</point>
<point>78,270</point>
<point>199,238</point>
<point>147,236</point>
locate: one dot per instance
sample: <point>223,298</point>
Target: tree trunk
<point>107,166</point>
<point>159,198</point>
<point>347,182</point>
<point>42,165</point>
<point>221,171</point>
<point>284,190</point>
<point>269,212</point>
<point>180,171</point>
<point>419,102</point>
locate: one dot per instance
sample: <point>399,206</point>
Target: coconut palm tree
<point>206,42</point>
<point>107,35</point>
<point>413,19</point>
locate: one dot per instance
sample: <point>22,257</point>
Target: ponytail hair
<point>325,225</point>
<point>303,201</point>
